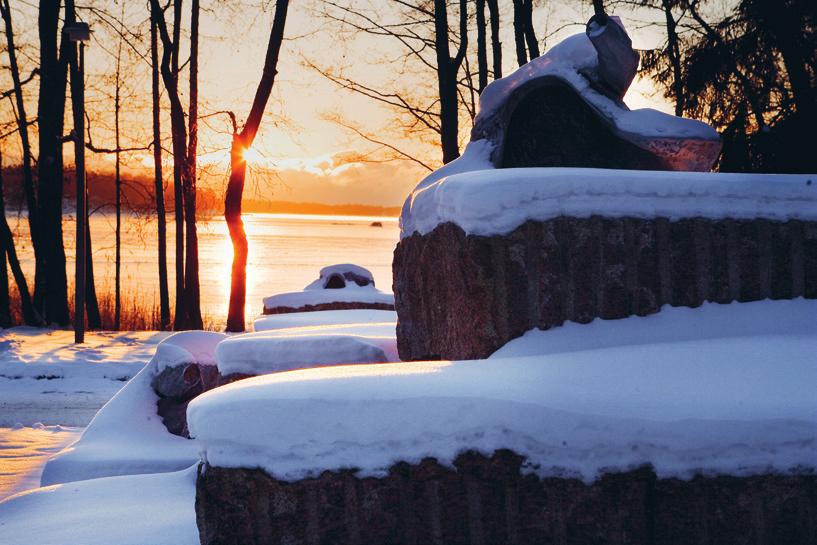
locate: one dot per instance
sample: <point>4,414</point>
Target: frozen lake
<point>286,252</point>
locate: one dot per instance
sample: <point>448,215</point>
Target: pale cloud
<point>339,178</point>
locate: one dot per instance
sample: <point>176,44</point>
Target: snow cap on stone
<point>186,347</point>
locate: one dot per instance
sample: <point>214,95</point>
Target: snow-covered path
<point>24,451</point>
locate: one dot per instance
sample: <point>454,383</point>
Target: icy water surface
<point>286,253</point>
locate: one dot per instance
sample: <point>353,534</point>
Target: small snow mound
<point>187,347</point>
<point>262,353</point>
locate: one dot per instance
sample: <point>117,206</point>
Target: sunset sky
<point>299,155</point>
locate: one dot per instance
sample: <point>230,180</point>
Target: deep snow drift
<point>131,510</point>
<point>494,202</point>
<point>127,435</point>
<point>737,403</point>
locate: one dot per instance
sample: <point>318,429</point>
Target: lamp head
<point>77,31</point>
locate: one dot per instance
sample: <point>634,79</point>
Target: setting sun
<point>252,156</point>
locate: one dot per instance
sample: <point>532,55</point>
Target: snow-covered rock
<point>127,436</point>
<point>185,367</point>
<point>737,405</point>
<point>339,287</point>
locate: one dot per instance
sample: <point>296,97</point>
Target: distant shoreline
<point>320,209</point>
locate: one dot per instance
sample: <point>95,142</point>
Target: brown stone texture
<point>487,500</point>
<point>463,296</point>
<point>328,306</point>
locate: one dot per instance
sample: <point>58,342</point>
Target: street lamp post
<point>80,33</point>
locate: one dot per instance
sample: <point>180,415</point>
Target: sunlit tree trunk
<point>238,167</point>
<point>191,270</point>
<point>164,296</point>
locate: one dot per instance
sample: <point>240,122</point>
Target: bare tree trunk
<point>519,32</point>
<point>496,45</point>
<point>51,289</point>
<point>117,313</point>
<point>749,88</point>
<point>482,53</point>
<point>191,270</point>
<point>238,167</point>
<point>530,32</point>
<point>5,314</point>
<point>788,28</point>
<point>25,143</point>
<point>447,69</point>
<point>30,315</point>
<point>170,76</point>
<point>674,51</point>
<point>91,301</point>
<point>164,296</point>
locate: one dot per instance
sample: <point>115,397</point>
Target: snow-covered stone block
<point>339,287</point>
<point>714,405</point>
<point>276,351</point>
<point>486,256</point>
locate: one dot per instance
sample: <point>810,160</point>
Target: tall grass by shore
<point>138,313</point>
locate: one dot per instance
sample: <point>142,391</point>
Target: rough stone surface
<point>329,306</point>
<point>176,387</point>
<point>463,297</point>
<point>487,500</point>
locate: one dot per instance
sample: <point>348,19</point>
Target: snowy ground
<point>45,378</point>
<point>131,510</point>
<point>24,450</point>
<point>718,389</point>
